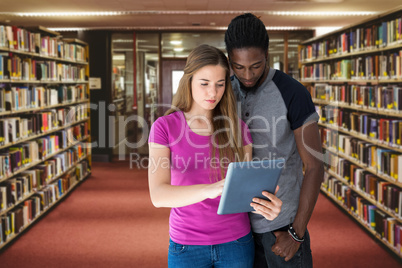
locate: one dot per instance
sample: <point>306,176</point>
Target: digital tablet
<point>246,180</point>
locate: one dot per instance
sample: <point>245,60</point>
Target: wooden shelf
<point>343,53</point>
<point>79,147</point>
<point>393,46</point>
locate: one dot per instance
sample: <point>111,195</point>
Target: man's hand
<point>269,209</point>
<point>285,246</point>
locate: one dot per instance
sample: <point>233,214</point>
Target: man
<point>283,124</point>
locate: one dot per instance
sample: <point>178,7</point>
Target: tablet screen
<point>246,180</point>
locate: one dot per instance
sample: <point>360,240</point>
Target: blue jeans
<point>264,257</point>
<point>235,254</point>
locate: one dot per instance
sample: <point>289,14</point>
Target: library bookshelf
<point>354,75</point>
<point>45,139</point>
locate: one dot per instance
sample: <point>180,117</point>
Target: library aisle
<point>109,221</point>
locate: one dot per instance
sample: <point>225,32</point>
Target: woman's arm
<point>163,194</point>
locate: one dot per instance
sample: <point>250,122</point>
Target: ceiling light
<point>122,41</point>
<point>68,14</point>
<point>284,28</point>
<point>320,13</point>
<point>178,49</point>
<point>176,42</point>
<point>188,12</point>
<point>173,28</point>
<point>119,57</point>
<point>324,30</point>
<point>67,29</point>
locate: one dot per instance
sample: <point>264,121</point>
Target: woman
<point>189,149</point>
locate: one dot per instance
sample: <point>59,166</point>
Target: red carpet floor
<point>109,221</point>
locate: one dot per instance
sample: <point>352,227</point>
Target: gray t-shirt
<point>272,111</point>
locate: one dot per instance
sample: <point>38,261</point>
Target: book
<point>379,222</point>
<point>399,176</point>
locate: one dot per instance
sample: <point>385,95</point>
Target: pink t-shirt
<point>196,224</point>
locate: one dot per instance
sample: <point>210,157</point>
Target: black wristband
<point>293,234</point>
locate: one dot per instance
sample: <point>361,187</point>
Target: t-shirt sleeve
<point>245,133</point>
<point>159,132</point>
<point>302,109</point>
<point>297,99</point>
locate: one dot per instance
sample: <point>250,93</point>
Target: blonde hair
<point>200,57</point>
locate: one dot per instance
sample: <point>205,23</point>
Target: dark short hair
<point>246,31</point>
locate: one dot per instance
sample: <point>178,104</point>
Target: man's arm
<point>309,147</point>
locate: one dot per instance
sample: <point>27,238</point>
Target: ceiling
<point>186,14</point>
<point>196,17</point>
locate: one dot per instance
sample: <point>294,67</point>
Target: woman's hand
<point>269,209</point>
<point>214,190</point>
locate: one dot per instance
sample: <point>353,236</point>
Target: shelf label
<point>95,83</point>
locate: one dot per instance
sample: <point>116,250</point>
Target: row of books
<point>16,189</point>
<point>20,39</point>
<point>387,228</point>
<point>383,130</point>
<point>29,97</point>
<point>370,67</point>
<point>14,129</point>
<point>14,221</point>
<point>384,193</point>
<point>382,34</point>
<point>376,159</point>
<point>26,69</point>
<point>371,97</point>
<point>21,155</point>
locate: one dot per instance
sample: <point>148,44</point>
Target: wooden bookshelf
<point>355,78</point>
<point>45,153</point>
